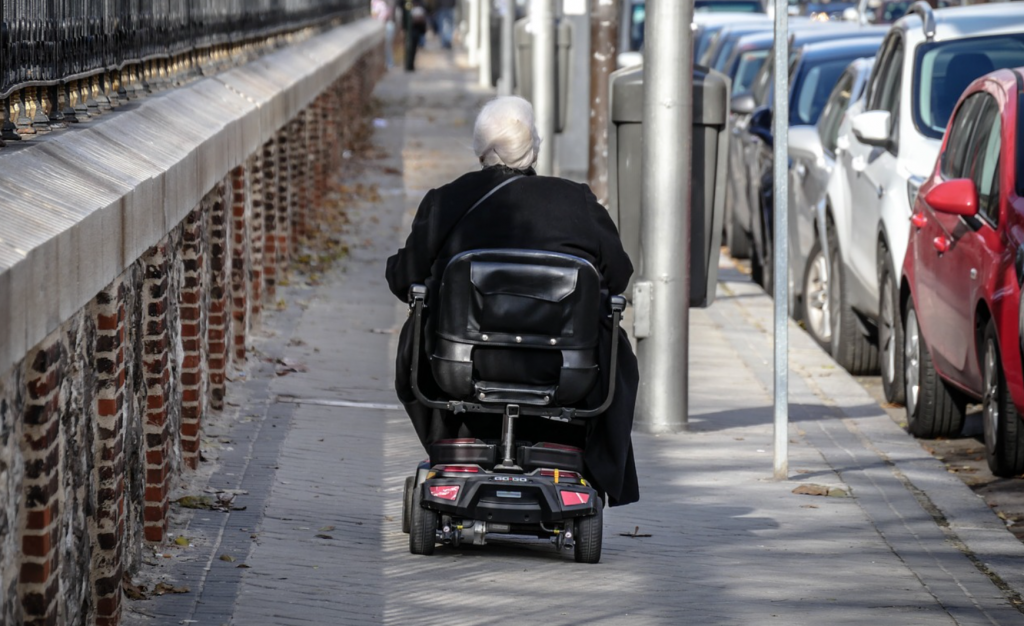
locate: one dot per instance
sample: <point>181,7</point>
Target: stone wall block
<point>241,268</point>
<point>284,199</point>
<point>157,380</point>
<point>192,309</point>
<point>270,207</point>
<point>218,321</point>
<point>107,526</point>
<point>38,581</point>
<point>256,230</point>
<point>299,205</point>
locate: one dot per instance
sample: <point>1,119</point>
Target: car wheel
<point>890,333</point>
<point>850,347</point>
<point>422,525</point>
<point>816,311</point>
<point>933,409</point>
<point>1004,433</point>
<point>736,238</point>
<point>410,486</point>
<point>589,531</point>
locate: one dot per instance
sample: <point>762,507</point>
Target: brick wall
<point>98,420</point>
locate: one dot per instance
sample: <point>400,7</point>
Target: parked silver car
<point>812,156</point>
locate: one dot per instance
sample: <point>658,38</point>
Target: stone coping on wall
<point>79,208</point>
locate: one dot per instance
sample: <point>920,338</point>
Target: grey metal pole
<point>542,22</point>
<point>508,19</point>
<point>473,37</point>
<point>485,43</point>
<point>604,34</point>
<point>780,273</point>
<point>663,292</point>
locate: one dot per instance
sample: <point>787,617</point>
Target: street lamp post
<point>662,294</point>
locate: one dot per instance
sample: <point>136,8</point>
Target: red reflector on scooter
<point>465,469</point>
<point>574,498</point>
<point>445,492</point>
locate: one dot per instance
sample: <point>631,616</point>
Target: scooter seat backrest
<point>517,300</point>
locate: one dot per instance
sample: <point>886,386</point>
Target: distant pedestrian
<point>445,17</point>
<point>384,11</point>
<point>414,21</point>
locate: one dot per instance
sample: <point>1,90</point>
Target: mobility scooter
<point>524,307</point>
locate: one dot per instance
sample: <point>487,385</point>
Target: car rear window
<point>812,91</point>
<point>943,70</point>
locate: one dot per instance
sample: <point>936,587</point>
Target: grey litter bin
<point>710,155</point>
<point>524,65</point>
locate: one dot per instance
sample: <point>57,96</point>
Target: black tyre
<point>589,535</point>
<point>815,308</point>
<point>422,525</point>
<point>736,238</point>
<point>1004,433</point>
<point>890,332</point>
<point>410,485</point>
<point>850,347</point>
<point>933,409</point>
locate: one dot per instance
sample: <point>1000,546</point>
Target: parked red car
<point>962,275</point>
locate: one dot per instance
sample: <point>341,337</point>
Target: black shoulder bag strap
<point>481,200</point>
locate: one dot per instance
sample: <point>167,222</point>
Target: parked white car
<point>887,145</point>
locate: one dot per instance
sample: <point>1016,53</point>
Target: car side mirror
<point>805,140</point>
<point>956,197</point>
<point>872,128</point>
<point>743,104</point>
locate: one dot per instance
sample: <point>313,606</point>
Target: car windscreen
<point>746,70</point>
<point>722,54</point>
<point>942,70</point>
<point>812,88</point>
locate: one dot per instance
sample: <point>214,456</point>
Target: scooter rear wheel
<point>589,534</point>
<point>410,485</point>
<point>422,525</point>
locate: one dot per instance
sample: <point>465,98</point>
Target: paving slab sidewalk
<point>321,541</point>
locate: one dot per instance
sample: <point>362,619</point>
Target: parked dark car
<point>740,198</point>
<point>814,70</point>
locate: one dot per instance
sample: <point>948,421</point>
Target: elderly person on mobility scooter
<point>525,402</point>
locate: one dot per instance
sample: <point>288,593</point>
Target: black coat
<point>538,213</point>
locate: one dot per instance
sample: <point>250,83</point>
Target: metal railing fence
<point>44,43</point>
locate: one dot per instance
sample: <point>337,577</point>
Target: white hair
<point>505,134</point>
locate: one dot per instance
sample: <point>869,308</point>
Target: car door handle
<point>859,163</point>
<point>800,168</point>
<point>941,244</point>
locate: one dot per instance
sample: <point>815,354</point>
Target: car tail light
<point>464,469</point>
<point>941,244</point>
<point>445,492</point>
<point>919,219</point>
<point>574,498</point>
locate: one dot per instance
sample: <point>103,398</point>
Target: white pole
<point>780,273</point>
<point>485,43</point>
<point>542,21</point>
<point>663,291</point>
<point>473,37</point>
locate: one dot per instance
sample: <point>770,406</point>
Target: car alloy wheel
<point>990,398</point>
<point>912,361</point>
<point>818,298</point>
<point>890,339</point>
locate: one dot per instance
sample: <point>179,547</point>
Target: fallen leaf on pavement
<point>162,588</point>
<point>323,536</point>
<point>812,489</point>
<point>326,529</point>
<point>181,540</point>
<point>133,591</point>
<point>227,557</point>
